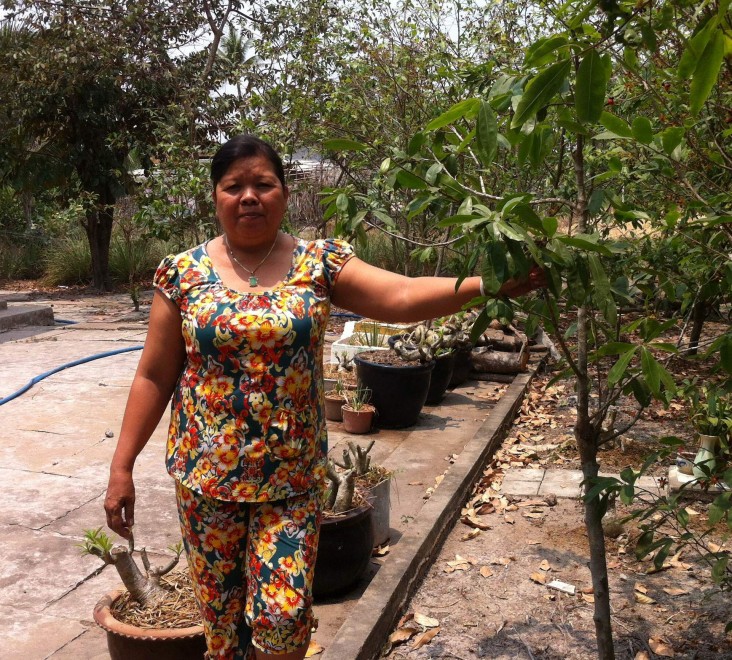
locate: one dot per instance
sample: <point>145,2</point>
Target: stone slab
<point>32,636</point>
<point>20,314</point>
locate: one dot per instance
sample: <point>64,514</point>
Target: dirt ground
<point>487,594</point>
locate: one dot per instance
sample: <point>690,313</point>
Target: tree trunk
<point>586,435</point>
<point>144,591</point>
<point>499,362</point>
<point>99,221</point>
<point>698,315</point>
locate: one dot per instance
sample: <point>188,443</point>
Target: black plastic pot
<point>397,392</point>
<point>440,378</point>
<point>344,551</point>
<point>461,367</point>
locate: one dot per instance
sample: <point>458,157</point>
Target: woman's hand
<point>536,279</point>
<point>120,502</point>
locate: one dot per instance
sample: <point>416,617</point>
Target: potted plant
<point>149,619</point>
<point>358,413</point>
<point>460,325</point>
<point>711,416</point>
<point>334,400</point>
<point>355,520</point>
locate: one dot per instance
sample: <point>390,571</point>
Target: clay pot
<point>125,641</point>
<point>358,421</point>
<point>344,551</point>
<point>333,404</point>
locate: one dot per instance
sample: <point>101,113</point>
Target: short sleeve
<point>335,255</point>
<point>167,278</point>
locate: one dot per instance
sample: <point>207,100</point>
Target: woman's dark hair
<point>244,146</point>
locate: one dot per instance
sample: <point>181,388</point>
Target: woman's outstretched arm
<point>386,296</point>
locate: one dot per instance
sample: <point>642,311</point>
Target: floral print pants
<point>251,565</point>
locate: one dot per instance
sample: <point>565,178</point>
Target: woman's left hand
<point>536,279</point>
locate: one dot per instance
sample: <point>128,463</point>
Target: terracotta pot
<point>358,421</point>
<point>125,641</point>
<point>333,404</point>
<point>344,551</point>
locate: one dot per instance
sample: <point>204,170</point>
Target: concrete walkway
<point>57,442</point>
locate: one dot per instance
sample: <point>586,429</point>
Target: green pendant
<point>253,281</point>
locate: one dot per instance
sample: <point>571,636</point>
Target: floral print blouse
<point>247,421</point>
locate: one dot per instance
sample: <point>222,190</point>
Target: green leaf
<point>589,95</point>
<point>627,493</point>
<point>550,225</point>
<point>620,367</point>
<point>495,267</point>
<point>486,134</point>
<point>642,130</point>
<point>344,145</point>
<point>651,371</point>
<point>706,72</point>
<point>409,180</point>
<point>536,53</point>
<point>584,244</point>
<point>465,108</point>
<point>671,138</point>
<point>694,49</point>
<point>616,125</point>
<point>539,91</point>
<point>614,348</point>
<point>480,325</point>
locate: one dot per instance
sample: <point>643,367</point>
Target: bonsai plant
<point>153,617</point>
<point>460,325</point>
<point>358,413</point>
<point>347,531</point>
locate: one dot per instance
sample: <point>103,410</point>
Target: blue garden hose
<point>97,356</point>
<point>37,379</point>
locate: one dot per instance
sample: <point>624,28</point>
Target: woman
<point>236,338</point>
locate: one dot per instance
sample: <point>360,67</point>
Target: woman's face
<point>250,202</point>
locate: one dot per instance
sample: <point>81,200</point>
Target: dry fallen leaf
<point>545,566</point>
<point>380,551</point>
<point>313,649</point>
<point>486,571</point>
<point>402,635</point>
<point>642,655</point>
<point>539,578</point>
<point>501,561</point>
<point>425,638</point>
<point>416,483</point>
<point>470,535</point>
<point>641,587</point>
<point>509,519</point>
<point>643,599</point>
<point>471,521</point>
<point>426,621</point>
<point>661,647</point>
<point>533,515</point>
<point>671,591</point>
<point>588,598</point>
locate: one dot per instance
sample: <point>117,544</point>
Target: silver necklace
<point>253,280</point>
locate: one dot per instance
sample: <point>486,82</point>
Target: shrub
<point>68,260</point>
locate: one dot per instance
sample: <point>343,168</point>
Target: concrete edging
<point>363,634</point>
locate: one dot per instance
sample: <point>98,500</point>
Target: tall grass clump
<point>21,255</point>
<point>134,259</point>
<point>67,260</point>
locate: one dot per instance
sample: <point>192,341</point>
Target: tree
<point>94,84</point>
<point>545,166</point>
